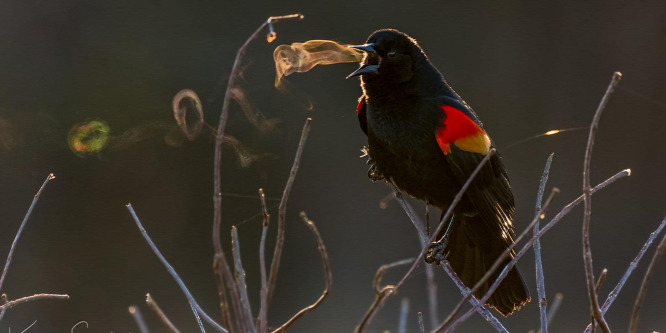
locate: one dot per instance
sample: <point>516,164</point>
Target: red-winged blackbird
<point>424,138</point>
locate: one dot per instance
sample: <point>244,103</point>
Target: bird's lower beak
<point>366,67</point>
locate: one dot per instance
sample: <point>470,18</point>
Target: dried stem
<point>379,302</point>
<point>421,328</point>
<point>239,273</point>
<point>380,292</point>
<point>402,319</point>
<point>634,263</point>
<point>587,198</point>
<point>196,309</point>
<point>327,273</point>
<point>633,323</point>
<point>160,314</point>
<point>27,299</point>
<point>138,317</point>
<point>220,265</point>
<point>541,284</point>
<point>600,280</point>
<point>282,213</point>
<point>4,299</point>
<point>432,295</point>
<point>529,243</point>
<point>262,321</point>
<point>20,230</point>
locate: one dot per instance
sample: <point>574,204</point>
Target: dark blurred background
<point>525,66</point>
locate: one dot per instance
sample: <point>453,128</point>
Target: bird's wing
<point>360,112</point>
<point>464,143</point>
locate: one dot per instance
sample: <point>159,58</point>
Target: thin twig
<point>496,265</point>
<point>20,230</point>
<point>196,309</point>
<point>220,265</point>
<point>380,291</point>
<point>4,299</point>
<point>402,319</point>
<point>421,328</point>
<point>418,224</point>
<point>158,311</point>
<point>262,318</point>
<point>35,297</point>
<point>282,213</point>
<point>378,303</point>
<point>634,263</point>
<point>587,198</point>
<point>327,273</point>
<point>138,317</point>
<point>633,323</point>
<point>432,295</point>
<point>541,284</point>
<point>239,273</point>
<point>529,243</point>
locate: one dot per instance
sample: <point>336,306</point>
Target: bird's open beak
<point>366,67</point>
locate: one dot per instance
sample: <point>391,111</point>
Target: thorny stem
<point>220,265</point>
<point>587,198</point>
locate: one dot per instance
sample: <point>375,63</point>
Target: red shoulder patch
<point>360,106</point>
<point>360,112</point>
<point>459,129</point>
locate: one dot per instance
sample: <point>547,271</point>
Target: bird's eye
<point>391,54</point>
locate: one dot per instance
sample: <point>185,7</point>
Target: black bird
<point>425,139</point>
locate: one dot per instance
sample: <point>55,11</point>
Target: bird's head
<point>390,56</point>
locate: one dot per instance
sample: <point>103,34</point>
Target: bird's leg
<point>436,250</point>
<point>373,173</point>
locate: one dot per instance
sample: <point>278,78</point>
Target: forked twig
<point>378,303</point>
<point>220,265</point>
<point>282,213</point>
<point>529,243</point>
<point>633,323</point>
<point>138,318</point>
<point>587,198</point>
<point>20,230</point>
<point>262,321</point>
<point>541,284</point>
<point>380,291</point>
<point>196,309</point>
<point>634,263</point>
<point>158,311</point>
<point>327,274</point>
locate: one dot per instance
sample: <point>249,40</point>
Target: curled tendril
<point>180,113</point>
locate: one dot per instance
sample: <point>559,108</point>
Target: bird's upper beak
<point>366,67</point>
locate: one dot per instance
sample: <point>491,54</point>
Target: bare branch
<point>633,323</point>
<point>239,273</point>
<point>27,299</point>
<point>378,303</point>
<point>196,309</point>
<point>282,213</point>
<point>327,274</point>
<point>541,284</point>
<point>529,243</point>
<point>158,311</point>
<point>20,230</point>
<point>634,263</point>
<point>220,265</point>
<point>262,321</point>
<point>138,317</point>
<point>587,198</point>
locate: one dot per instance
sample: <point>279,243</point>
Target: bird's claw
<point>373,173</point>
<point>435,253</point>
